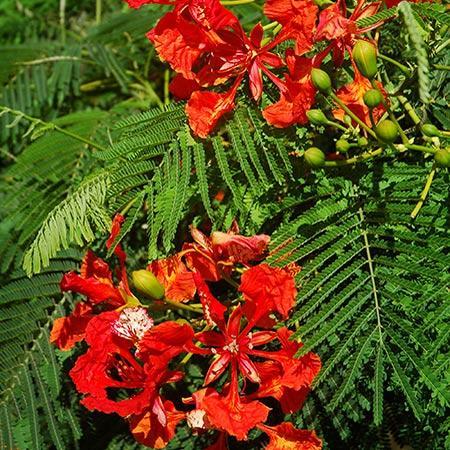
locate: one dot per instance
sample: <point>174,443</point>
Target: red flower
<point>235,57</point>
<point>67,331</point>
<point>109,366</point>
<point>156,427</point>
<point>234,414</point>
<point>216,255</point>
<point>298,18</point>
<point>334,26</point>
<point>184,34</point>
<point>95,281</point>
<point>298,95</point>
<point>352,95</point>
<point>267,289</point>
<point>286,437</point>
<point>232,347</point>
<point>181,88</point>
<point>178,282</point>
<point>213,310</point>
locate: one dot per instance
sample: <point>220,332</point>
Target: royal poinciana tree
<point>224,225</point>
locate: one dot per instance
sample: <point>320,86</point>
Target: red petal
<point>181,88</point>
<point>285,436</point>
<point>67,331</point>
<point>204,109</point>
<point>217,368</point>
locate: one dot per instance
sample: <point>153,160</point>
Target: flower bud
<point>315,157</point>
<point>387,131</point>
<point>321,80</point>
<point>362,141</point>
<point>347,119</point>
<point>365,56</point>
<point>147,284</point>
<point>430,130</point>
<point>342,146</point>
<point>317,117</point>
<point>372,98</point>
<point>442,157</point>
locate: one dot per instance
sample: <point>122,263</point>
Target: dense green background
<point>374,296</point>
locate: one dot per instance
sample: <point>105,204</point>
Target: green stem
<point>419,148</point>
<point>424,193</point>
<point>179,305</point>
<point>336,125</point>
<point>363,157</point>
<point>62,20</point>
<point>409,109</point>
<point>402,67</point>
<point>441,67</point>
<point>391,114</point>
<point>166,87</point>
<point>352,115</point>
<point>51,125</point>
<point>98,11</point>
<point>270,25</point>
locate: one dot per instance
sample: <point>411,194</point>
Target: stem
<point>62,20</point>
<point>270,25</point>
<point>166,87</point>
<point>52,126</point>
<point>402,67</point>
<point>336,125</point>
<point>98,11</point>
<point>424,193</point>
<point>355,159</point>
<point>352,115</point>
<point>179,305</point>
<point>409,109</point>
<point>420,148</point>
<point>441,67</point>
<point>391,114</point>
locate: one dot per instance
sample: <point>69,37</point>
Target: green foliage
<point>373,290</point>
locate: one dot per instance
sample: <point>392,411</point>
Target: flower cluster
<point>207,47</point>
<point>137,351</point>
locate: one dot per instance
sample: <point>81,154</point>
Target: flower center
<point>132,324</point>
<point>232,347</point>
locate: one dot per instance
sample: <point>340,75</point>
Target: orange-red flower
<point>286,437</point>
<point>95,281</point>
<point>298,94</point>
<point>177,280</point>
<point>298,18</point>
<point>216,255</point>
<point>334,26</point>
<point>267,289</point>
<point>352,95</point>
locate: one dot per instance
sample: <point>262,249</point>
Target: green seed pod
<point>342,146</point>
<point>317,117</point>
<point>372,98</point>
<point>321,81</point>
<point>363,142</point>
<point>347,119</point>
<point>315,157</point>
<point>147,284</point>
<point>365,56</point>
<point>387,131</point>
<point>430,130</point>
<point>322,4</point>
<point>442,157</point>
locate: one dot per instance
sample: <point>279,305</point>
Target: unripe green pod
<point>347,119</point>
<point>365,56</point>
<point>342,146</point>
<point>372,98</point>
<point>321,80</point>
<point>317,117</point>
<point>387,131</point>
<point>430,130</point>
<point>315,157</point>
<point>147,284</point>
<point>442,157</point>
<point>362,141</point>
<point>322,4</point>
